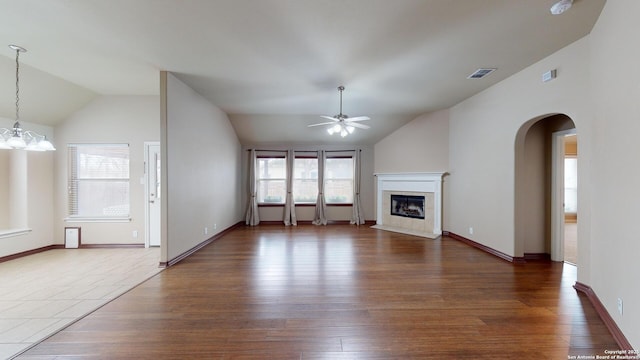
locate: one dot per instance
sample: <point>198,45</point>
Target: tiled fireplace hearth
<point>407,213</point>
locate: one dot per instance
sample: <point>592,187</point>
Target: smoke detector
<point>561,6</point>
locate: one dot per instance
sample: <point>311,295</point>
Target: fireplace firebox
<point>411,206</point>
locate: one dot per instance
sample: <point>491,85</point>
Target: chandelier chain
<point>16,138</point>
<point>17,85</point>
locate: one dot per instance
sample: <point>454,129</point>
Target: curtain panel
<point>320,217</point>
<point>289,205</point>
<point>252,218</point>
<point>357,215</point>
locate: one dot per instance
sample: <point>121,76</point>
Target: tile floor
<point>42,293</point>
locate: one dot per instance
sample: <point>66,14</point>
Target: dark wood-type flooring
<point>340,292</point>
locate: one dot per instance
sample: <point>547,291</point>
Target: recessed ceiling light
<point>561,6</point>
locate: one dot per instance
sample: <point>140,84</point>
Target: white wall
<point>39,190</point>
<point>615,179</point>
<point>4,189</point>
<point>39,206</point>
<point>108,119</point>
<point>202,168</point>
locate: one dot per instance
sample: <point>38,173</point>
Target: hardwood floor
<point>340,292</point>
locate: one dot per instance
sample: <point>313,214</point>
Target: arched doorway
<point>539,202</point>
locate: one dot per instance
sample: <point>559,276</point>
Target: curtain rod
<point>268,150</point>
<point>314,151</point>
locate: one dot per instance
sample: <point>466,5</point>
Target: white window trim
<point>259,180</point>
<point>110,219</point>
<point>102,219</point>
<point>310,202</point>
<point>352,179</point>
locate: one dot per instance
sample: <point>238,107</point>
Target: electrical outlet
<point>135,233</point>
<point>620,306</point>
<point>470,230</point>
<point>206,230</point>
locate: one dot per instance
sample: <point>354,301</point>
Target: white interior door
<point>152,182</point>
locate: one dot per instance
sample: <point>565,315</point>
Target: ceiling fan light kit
<point>342,124</point>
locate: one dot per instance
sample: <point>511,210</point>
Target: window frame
<point>326,178</point>
<point>306,203</point>
<point>309,204</point>
<point>259,179</point>
<point>72,176</point>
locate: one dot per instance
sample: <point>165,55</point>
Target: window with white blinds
<point>98,181</point>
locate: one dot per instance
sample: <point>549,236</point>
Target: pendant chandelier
<point>17,138</point>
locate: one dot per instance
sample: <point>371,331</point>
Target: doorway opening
<point>541,210</point>
<point>570,199</point>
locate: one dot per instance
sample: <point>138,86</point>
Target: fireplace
<point>407,206</point>
<point>410,203</point>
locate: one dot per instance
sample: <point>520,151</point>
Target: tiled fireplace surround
<point>428,185</point>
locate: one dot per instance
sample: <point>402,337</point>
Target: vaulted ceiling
<point>274,65</point>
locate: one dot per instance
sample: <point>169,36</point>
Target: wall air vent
<point>480,73</point>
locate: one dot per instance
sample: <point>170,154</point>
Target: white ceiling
<point>274,65</point>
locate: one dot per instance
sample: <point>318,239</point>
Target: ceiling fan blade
<point>357,125</point>
<point>320,124</point>
<point>329,118</point>
<point>359,118</point>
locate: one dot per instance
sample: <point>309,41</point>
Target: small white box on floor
<point>71,237</point>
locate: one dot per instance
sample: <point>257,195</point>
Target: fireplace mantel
<point>418,182</point>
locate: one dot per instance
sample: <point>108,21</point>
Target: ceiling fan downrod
<point>341,116</point>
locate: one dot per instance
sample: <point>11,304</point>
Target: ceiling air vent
<point>480,73</point>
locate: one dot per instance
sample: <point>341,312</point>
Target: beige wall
<point>614,181</point>
<point>422,145</point>
<point>483,132</point>
<point>108,119</point>
<point>535,180</point>
<point>202,165</point>
<point>571,146</point>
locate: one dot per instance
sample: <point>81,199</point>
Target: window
<point>271,180</point>
<point>338,180</point>
<point>305,180</point>
<point>570,185</point>
<point>98,180</point>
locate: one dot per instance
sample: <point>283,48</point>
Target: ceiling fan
<point>341,123</point>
